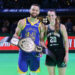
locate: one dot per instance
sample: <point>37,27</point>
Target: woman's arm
<point>65,38</point>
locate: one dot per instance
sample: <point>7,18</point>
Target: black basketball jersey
<point>55,39</point>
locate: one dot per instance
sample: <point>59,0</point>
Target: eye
<point>52,15</point>
<point>33,9</point>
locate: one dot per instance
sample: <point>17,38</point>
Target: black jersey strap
<point>60,28</point>
<point>49,28</point>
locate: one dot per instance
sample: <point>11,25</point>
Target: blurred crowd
<point>7,26</point>
<point>43,3</point>
<point>70,26</point>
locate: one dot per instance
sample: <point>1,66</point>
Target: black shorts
<point>59,59</point>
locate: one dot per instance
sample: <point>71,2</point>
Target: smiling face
<point>51,15</point>
<point>34,11</point>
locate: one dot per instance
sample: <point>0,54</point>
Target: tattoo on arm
<point>18,29</point>
<point>42,32</point>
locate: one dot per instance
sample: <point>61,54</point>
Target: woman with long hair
<point>57,39</point>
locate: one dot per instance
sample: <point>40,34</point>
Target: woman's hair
<point>57,20</point>
<point>57,23</point>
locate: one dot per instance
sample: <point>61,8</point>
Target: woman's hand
<point>66,58</point>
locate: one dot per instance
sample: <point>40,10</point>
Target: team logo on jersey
<point>49,34</point>
<point>31,29</point>
<point>57,34</point>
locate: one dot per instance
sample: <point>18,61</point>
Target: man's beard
<point>33,16</point>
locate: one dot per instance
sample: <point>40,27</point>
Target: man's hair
<point>35,5</point>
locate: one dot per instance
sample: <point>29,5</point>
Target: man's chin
<point>33,16</point>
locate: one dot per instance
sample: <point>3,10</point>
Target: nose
<point>51,16</point>
<point>34,11</point>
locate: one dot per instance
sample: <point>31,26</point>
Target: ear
<point>39,11</point>
<point>29,10</point>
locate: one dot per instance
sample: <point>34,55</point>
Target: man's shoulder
<point>22,21</point>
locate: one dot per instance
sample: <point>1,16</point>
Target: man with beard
<point>33,28</point>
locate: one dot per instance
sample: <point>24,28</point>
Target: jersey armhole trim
<point>39,27</point>
<point>24,24</point>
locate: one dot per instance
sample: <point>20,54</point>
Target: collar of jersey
<point>32,23</point>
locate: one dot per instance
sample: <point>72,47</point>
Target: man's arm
<point>19,28</point>
<point>42,32</point>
